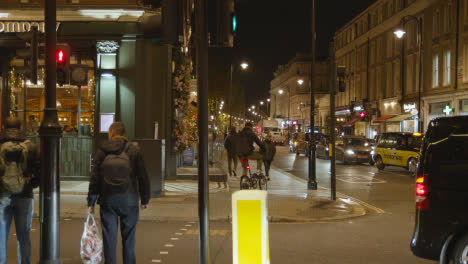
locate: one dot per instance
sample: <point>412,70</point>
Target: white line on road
<point>174,238</point>
<point>188,225</point>
<point>179,234</point>
<point>169,245</point>
<point>163,252</point>
<point>183,229</point>
<point>156,261</point>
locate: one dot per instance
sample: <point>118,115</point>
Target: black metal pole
<point>50,132</point>
<point>331,147</point>
<point>420,123</point>
<point>312,182</point>
<point>202,64</point>
<point>230,98</point>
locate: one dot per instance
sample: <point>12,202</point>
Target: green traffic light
<point>234,23</point>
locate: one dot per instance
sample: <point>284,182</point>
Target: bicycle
<point>252,181</point>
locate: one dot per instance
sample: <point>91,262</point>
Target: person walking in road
<point>19,174</point>
<point>118,177</point>
<point>269,154</point>
<point>231,152</point>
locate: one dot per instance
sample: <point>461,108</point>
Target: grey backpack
<point>13,164</point>
<point>116,170</point>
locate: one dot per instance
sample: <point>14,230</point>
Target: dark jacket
<point>270,150</point>
<point>229,144</point>
<point>140,183</point>
<point>251,137</point>
<point>32,173</point>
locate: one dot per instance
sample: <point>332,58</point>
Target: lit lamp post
<point>268,107</point>
<point>399,33</point>
<point>244,66</point>
<point>281,91</point>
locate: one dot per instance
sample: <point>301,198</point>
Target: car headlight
<point>372,147</point>
<point>326,149</point>
<point>372,152</point>
<point>295,143</point>
<point>366,144</point>
<point>350,152</point>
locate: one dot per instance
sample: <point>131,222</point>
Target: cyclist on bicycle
<point>249,137</point>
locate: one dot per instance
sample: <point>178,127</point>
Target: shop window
<point>75,112</point>
<point>447,67</point>
<point>463,107</point>
<point>435,71</point>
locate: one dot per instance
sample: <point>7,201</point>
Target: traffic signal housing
<point>223,23</point>
<point>62,58</point>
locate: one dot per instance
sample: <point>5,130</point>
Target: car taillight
<point>247,167</point>
<point>421,193</point>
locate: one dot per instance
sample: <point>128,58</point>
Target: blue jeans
<point>22,210</point>
<point>110,215</point>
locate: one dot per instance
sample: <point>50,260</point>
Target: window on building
<point>465,7</point>
<point>465,62</point>
<point>447,67</point>
<point>436,24</point>
<point>448,18</point>
<point>410,75</point>
<point>435,71</point>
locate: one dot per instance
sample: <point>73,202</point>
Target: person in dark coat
<point>269,154</point>
<point>248,133</point>
<point>231,153</point>
<point>18,206</point>
<point>115,205</point>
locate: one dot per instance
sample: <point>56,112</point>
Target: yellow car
<point>398,149</point>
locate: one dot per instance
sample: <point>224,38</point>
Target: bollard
<point>250,227</point>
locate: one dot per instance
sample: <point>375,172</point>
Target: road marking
<point>156,261</point>
<point>163,252</point>
<point>359,179</point>
<point>169,245</point>
<point>188,225</point>
<point>179,234</point>
<point>67,219</point>
<point>212,232</point>
<point>183,229</point>
<point>191,222</point>
<point>174,238</point>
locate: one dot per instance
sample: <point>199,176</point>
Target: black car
<point>441,220</point>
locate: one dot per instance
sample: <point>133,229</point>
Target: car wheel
<point>460,252</point>
<point>412,167</point>
<point>371,162</point>
<point>379,163</point>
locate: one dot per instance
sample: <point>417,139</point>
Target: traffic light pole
<point>50,133</point>
<point>202,65</point>
<point>312,181</point>
<point>331,147</point>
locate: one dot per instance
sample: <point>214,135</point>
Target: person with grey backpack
<point>120,184</point>
<point>19,174</point>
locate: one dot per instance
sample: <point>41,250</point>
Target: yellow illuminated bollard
<point>250,227</point>
<point>330,150</point>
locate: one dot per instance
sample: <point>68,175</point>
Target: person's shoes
<point>259,172</point>
<point>268,178</point>
<point>234,172</point>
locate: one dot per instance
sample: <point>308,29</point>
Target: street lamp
<point>399,33</point>
<point>261,102</point>
<point>300,81</point>
<point>281,91</point>
<point>244,65</point>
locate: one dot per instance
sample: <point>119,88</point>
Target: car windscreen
<point>414,142</point>
<point>354,141</point>
<point>441,129</point>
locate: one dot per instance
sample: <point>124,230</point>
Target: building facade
<point>382,71</point>
<point>290,94</point>
<point>128,50</point>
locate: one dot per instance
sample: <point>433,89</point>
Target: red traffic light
<point>61,57</point>
<point>362,114</point>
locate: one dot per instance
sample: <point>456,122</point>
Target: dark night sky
<point>271,32</point>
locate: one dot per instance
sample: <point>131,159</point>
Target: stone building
<point>382,70</point>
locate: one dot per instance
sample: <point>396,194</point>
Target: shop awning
<point>382,119</point>
<point>399,118</point>
<point>352,121</point>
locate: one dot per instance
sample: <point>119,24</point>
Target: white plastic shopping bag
<point>91,242</point>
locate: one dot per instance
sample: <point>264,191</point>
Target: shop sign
<point>408,107</point>
<point>18,26</point>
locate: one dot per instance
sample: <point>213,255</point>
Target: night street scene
<point>234,131</point>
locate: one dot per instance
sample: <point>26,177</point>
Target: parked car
<point>441,220</point>
<point>302,144</point>
<point>323,148</point>
<point>398,149</point>
<point>353,149</point>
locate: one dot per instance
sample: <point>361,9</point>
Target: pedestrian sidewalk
<point>288,200</point>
